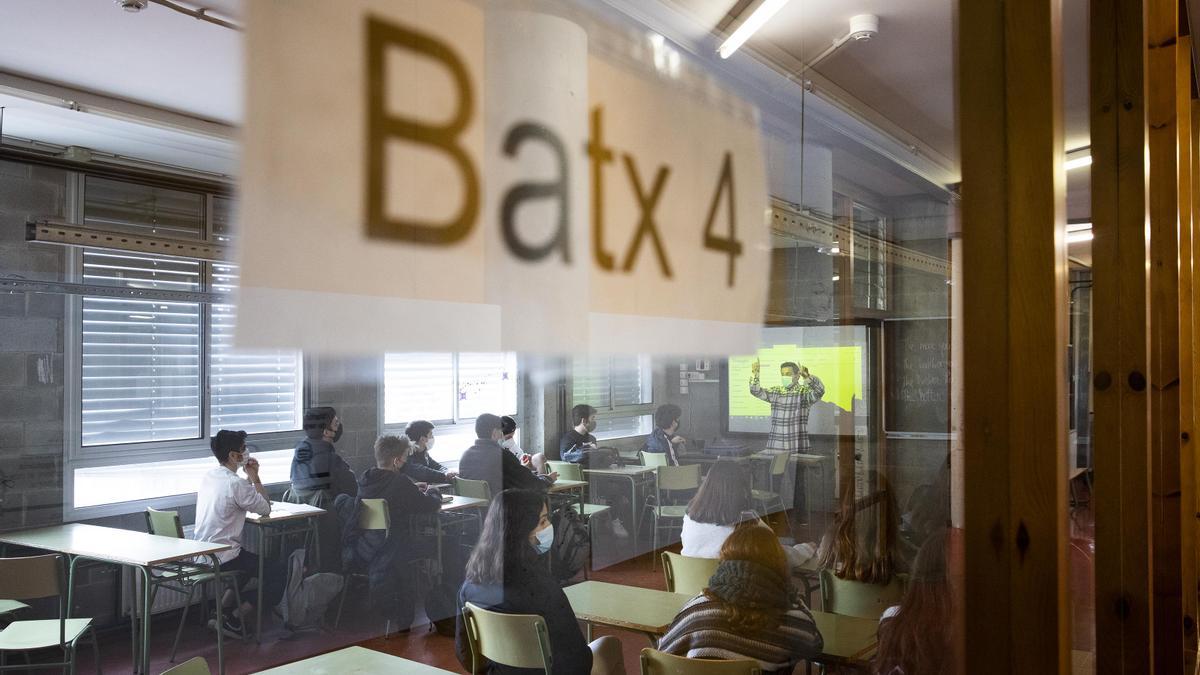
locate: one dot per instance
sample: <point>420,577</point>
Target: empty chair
<point>34,578</point>
<point>565,470</point>
<point>687,575</point>
<point>772,497</point>
<point>655,459</point>
<point>858,598</point>
<point>183,578</point>
<point>655,662</point>
<point>475,489</point>
<point>193,666</point>
<point>514,640</point>
<point>671,479</point>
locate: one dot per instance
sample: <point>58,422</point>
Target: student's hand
<point>678,440</point>
<point>251,469</point>
<point>553,476</point>
<point>754,367</point>
<point>422,486</point>
<point>526,460</point>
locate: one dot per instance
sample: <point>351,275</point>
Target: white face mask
<point>785,381</point>
<point>245,457</point>
<point>429,444</point>
<point>545,539</point>
<point>508,444</point>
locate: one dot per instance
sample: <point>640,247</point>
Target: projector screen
<point>838,355</point>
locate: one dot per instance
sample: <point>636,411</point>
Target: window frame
<point>613,411</point>
<point>76,455</point>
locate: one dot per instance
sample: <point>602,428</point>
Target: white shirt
<point>514,448</point>
<point>703,540</point>
<point>221,506</point>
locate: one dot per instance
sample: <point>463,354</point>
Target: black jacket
<point>424,469</point>
<point>530,589</point>
<point>486,460</point>
<point>317,466</point>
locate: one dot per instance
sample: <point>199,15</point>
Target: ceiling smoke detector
<point>132,5</point>
<point>863,27</point>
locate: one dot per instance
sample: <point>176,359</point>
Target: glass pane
<point>418,386</point>
<point>117,205</point>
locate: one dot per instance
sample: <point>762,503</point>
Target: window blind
<point>418,385</point>
<point>255,391</point>
<point>608,382</point>
<point>591,382</point>
<point>140,358</point>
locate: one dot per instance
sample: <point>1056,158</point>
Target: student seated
<point>421,467</point>
<point>915,636</point>
<point>665,438</point>
<point>578,445</point>
<point>862,543</point>
<point>507,572</point>
<point>221,505</point>
<point>487,461</point>
<point>509,426</point>
<point>717,508</point>
<point>318,472</point>
<point>749,610</point>
<point>386,555</point>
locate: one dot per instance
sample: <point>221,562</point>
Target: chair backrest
<point>514,640</point>
<point>654,459</point>
<point>686,574</point>
<point>686,477</point>
<point>858,598</point>
<point>565,470</point>
<point>779,464</point>
<point>373,514</point>
<point>193,666</point>
<point>476,489</point>
<point>39,576</point>
<point>164,523</point>
<point>655,662</point>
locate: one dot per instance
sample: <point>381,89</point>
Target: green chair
<point>772,497</point>
<point>513,640</point>
<point>565,470</point>
<point>193,666</point>
<point>34,578</point>
<point>373,514</point>
<point>669,479</point>
<point>655,662</point>
<point>858,598</point>
<point>10,607</point>
<point>687,575</point>
<point>475,489</point>
<point>184,578</point>
<point>655,459</point>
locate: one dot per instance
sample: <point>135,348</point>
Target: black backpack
<point>572,546</point>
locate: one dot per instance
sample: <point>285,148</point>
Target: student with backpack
<point>507,572</point>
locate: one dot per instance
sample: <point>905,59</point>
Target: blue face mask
<point>545,539</point>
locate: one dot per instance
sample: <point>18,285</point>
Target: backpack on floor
<point>572,545</point>
<point>306,598</point>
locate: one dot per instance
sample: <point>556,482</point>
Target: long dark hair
<point>919,639</point>
<point>722,497</point>
<point>861,542</point>
<point>504,542</point>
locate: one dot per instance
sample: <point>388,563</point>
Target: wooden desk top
<point>124,547</point>
<point>629,607</point>
<point>353,660</point>
<point>281,511</point>
<point>458,502</point>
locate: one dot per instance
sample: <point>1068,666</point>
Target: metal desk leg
<point>145,662</point>
<point>258,606</point>
<point>216,563</point>
<point>316,535</point>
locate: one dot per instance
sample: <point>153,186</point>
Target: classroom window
<point>620,388</point>
<point>447,388</point>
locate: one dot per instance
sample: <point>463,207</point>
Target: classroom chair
<point>771,497</point>
<point>373,514</point>
<point>685,574</point>
<point>184,578</point>
<point>34,578</point>
<point>193,666</point>
<point>858,598</point>
<point>655,662</point>
<point>565,470</point>
<point>655,459</point>
<point>670,479</point>
<point>514,640</point>
<point>476,489</point>
<point>10,607</point>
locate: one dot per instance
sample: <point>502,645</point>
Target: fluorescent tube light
<point>757,19</point>
<point>1078,227</point>
<point>1078,162</point>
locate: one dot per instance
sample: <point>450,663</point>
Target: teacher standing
<point>790,402</point>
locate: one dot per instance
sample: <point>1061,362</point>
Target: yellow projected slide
<point>840,369</point>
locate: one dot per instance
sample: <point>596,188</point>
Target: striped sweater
<point>702,630</point>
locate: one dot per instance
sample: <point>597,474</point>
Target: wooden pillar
<point>1014,337</point>
<point>1121,344</point>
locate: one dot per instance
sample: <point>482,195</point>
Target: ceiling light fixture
<point>758,17</point>
<point>132,5</point>
<point>1078,227</point>
<point>1078,162</point>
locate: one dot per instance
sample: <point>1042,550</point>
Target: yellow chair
<point>858,598</point>
<point>513,640</point>
<point>182,578</point>
<point>769,498</point>
<point>565,470</point>
<point>34,578</point>
<point>670,479</point>
<point>193,666</point>
<point>655,459</point>
<point>686,574</point>
<point>475,489</point>
<point>655,662</point>
<point>373,514</point>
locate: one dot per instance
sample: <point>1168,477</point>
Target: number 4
<point>731,245</point>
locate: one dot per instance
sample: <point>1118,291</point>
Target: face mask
<point>785,381</point>
<point>429,444</point>
<point>545,539</point>
<point>245,456</point>
<point>508,444</point>
<point>337,434</point>
<point>591,426</point>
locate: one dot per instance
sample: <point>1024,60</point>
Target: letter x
<point>646,224</point>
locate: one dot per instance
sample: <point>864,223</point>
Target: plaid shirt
<point>789,412</point>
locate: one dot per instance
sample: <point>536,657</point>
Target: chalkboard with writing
<point>917,384</point>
